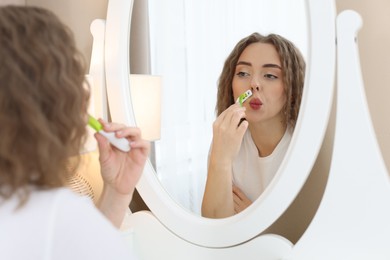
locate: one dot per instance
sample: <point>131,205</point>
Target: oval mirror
<point>190,59</point>
<point>308,134</point>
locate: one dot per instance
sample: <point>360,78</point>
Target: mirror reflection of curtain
<point>189,42</point>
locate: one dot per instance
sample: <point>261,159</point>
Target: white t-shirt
<point>58,224</point>
<point>252,173</point>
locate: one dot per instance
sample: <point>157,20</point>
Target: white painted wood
<point>97,70</point>
<point>116,60</point>
<point>352,221</point>
<point>150,240</point>
<point>96,78</point>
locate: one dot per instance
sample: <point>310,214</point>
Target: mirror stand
<point>351,221</point>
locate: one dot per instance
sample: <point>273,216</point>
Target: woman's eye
<point>270,76</point>
<point>242,74</point>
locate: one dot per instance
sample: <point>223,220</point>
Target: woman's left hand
<point>241,201</point>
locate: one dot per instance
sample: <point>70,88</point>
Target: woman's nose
<point>255,84</point>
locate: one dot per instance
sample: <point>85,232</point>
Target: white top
<point>252,173</point>
<point>58,224</point>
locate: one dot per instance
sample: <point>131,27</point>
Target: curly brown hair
<point>43,99</point>
<point>293,68</point>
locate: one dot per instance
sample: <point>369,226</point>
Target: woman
<point>245,154</point>
<point>43,117</point>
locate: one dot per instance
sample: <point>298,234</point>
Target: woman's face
<point>259,69</point>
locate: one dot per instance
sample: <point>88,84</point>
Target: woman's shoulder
<point>67,195</point>
<point>79,221</point>
<point>51,197</point>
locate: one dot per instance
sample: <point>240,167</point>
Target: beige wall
<point>374,45</point>
<point>78,15</point>
<point>12,2</point>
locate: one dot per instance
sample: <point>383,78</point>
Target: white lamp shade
<point>145,93</point>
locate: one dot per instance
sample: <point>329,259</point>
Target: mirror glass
<point>189,42</point>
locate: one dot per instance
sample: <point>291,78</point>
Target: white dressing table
<point>351,222</point>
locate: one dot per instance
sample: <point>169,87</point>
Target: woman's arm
<point>218,197</point>
<point>227,136</point>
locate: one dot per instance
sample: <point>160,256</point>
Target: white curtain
<point>189,42</point>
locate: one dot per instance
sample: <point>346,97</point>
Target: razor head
<point>244,96</point>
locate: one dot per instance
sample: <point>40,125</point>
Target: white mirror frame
<point>294,170</point>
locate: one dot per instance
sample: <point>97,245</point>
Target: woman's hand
<point>120,170</point>
<point>227,137</point>
<point>228,132</point>
<point>241,201</point>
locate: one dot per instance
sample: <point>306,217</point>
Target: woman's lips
<point>255,103</point>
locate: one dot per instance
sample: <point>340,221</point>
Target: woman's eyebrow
<point>244,63</point>
<point>267,65</point>
<point>271,65</point>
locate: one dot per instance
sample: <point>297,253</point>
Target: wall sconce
<point>145,91</point>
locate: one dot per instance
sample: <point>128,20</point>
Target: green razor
<point>244,96</point>
<point>120,143</point>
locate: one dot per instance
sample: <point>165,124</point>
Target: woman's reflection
<point>245,154</point>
